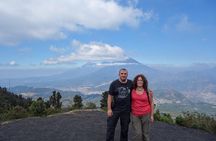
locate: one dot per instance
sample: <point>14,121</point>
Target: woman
<point>142,108</point>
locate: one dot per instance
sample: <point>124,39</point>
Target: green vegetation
<point>14,106</point>
<point>165,117</point>
<point>103,101</point>
<point>90,105</point>
<point>197,120</point>
<point>14,113</point>
<point>55,100</point>
<point>77,102</point>
<point>38,107</point>
<point>190,120</point>
<point>9,100</point>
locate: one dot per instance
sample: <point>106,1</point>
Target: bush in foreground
<point>197,120</point>
<point>14,113</point>
<point>90,105</point>
<point>165,117</point>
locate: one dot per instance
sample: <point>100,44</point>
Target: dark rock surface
<point>88,126</point>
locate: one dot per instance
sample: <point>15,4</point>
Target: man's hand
<point>109,103</point>
<point>109,113</point>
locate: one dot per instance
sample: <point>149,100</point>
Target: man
<point>119,106</point>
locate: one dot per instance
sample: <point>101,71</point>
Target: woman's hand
<point>152,118</point>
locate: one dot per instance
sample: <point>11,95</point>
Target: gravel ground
<point>88,126</point>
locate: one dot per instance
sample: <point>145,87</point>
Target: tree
<point>8,100</point>
<point>103,101</point>
<point>77,102</point>
<point>54,100</point>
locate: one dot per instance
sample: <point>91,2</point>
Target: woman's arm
<point>152,105</point>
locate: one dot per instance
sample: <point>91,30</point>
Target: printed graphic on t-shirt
<point>123,92</point>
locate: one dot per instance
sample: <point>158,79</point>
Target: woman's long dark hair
<point>145,83</point>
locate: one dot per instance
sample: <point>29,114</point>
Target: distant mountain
<point>199,85</point>
<point>96,76</point>
<point>45,93</point>
<point>169,100</point>
<point>195,84</point>
<point>170,96</point>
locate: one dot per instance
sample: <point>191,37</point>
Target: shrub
<point>37,108</point>
<point>90,105</point>
<point>15,113</point>
<point>50,111</point>
<point>179,120</point>
<point>166,118</point>
<point>157,115</point>
<point>163,117</point>
<point>197,120</point>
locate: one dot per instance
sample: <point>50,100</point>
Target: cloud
<point>9,64</point>
<point>12,63</point>
<point>133,2</point>
<point>57,49</point>
<point>94,51</point>
<point>180,24</point>
<point>150,15</point>
<point>52,19</point>
<point>184,24</point>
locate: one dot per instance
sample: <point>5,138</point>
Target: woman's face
<point>139,82</point>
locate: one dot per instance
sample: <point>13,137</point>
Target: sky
<point>67,33</point>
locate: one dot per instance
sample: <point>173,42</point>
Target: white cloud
<point>94,51</point>
<point>180,24</point>
<point>133,2</point>
<point>48,19</point>
<point>12,63</point>
<point>184,24</point>
<point>9,64</point>
<point>149,15</point>
<point>57,49</point>
<point>75,43</point>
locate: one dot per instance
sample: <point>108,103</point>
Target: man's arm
<point>109,107</point>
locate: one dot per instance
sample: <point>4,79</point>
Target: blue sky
<point>66,33</point>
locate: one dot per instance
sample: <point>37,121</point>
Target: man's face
<point>123,75</point>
